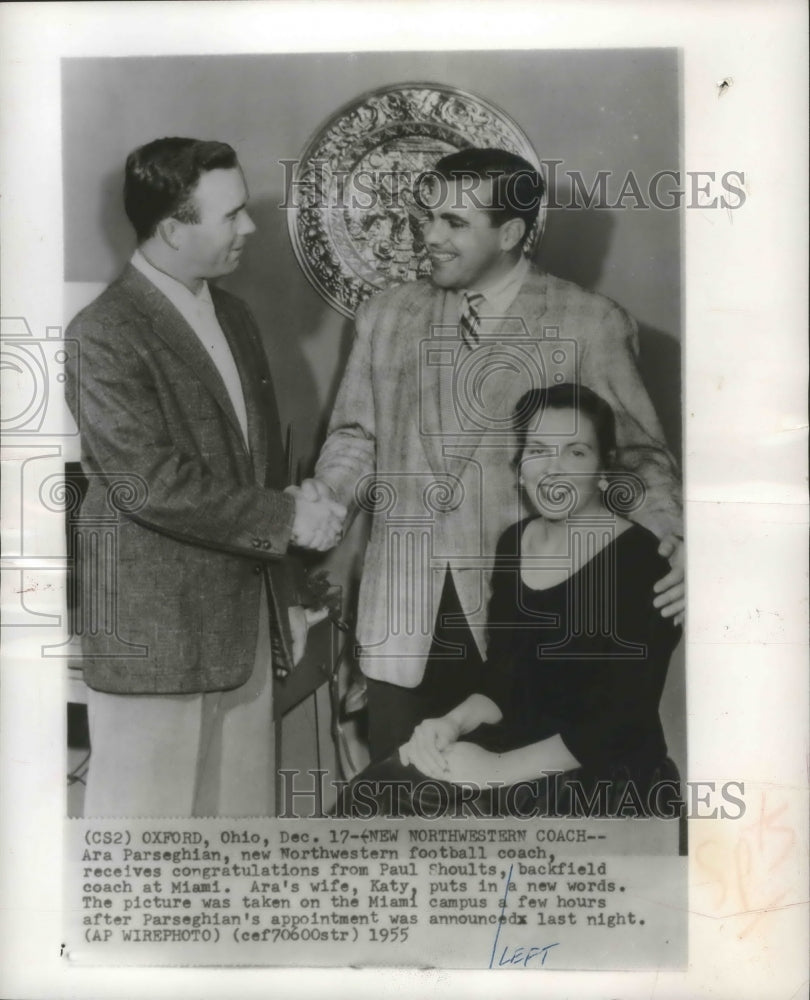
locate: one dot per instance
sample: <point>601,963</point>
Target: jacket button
<point>257,543</point>
<point>257,569</point>
<point>266,545</point>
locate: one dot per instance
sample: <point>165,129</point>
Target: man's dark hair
<point>517,186</point>
<point>566,396</point>
<point>160,177</point>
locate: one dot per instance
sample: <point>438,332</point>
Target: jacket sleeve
<point>113,396</point>
<point>349,452</point>
<point>609,367</point>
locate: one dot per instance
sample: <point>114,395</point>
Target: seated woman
<point>577,655</point>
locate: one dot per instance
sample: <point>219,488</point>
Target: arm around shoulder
<point>610,368</point>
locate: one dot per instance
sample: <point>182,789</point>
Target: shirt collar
<point>175,291</point>
<point>502,293</point>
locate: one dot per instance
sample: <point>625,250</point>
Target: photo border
<point>744,365</point>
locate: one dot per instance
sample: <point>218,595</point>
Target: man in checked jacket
<point>419,432</point>
<point>177,414</point>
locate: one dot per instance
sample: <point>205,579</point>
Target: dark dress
<point>586,659</point>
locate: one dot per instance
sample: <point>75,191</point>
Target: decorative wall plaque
<point>353,222</point>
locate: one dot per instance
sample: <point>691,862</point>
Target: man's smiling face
<point>465,248</point>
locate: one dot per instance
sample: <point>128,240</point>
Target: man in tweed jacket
<point>181,445</point>
<point>420,432</point>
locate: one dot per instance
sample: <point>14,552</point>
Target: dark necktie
<point>469,319</point>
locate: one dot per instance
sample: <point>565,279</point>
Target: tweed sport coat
<point>429,426</point>
<point>200,521</point>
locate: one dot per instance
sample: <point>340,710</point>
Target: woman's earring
<point>521,481</point>
<point>602,484</point>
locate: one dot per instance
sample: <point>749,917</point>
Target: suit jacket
<point>429,423</point>
<point>199,521</point>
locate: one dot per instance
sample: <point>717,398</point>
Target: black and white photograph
<point>423,410</point>
<point>371,518</point>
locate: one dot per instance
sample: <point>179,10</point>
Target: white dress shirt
<point>198,311</point>
<point>498,296</point>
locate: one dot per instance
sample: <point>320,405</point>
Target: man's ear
<point>169,232</point>
<point>512,233</point>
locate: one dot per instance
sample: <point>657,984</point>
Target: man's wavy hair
<point>160,178</point>
<point>517,186</point>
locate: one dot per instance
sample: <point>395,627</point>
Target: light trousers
<point>188,754</point>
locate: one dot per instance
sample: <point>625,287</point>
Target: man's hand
<point>301,620</point>
<point>316,489</point>
<point>671,600</point>
<point>318,520</point>
<point>426,747</point>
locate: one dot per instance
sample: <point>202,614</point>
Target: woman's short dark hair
<point>566,396</point>
<point>160,177</point>
<point>517,186</point>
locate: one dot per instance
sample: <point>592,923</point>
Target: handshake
<point>319,518</point>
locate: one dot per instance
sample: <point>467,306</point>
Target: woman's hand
<point>469,764</point>
<point>426,748</point>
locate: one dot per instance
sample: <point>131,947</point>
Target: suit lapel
<point>264,436</point>
<point>426,318</point>
<point>175,332</point>
<point>522,319</point>
<point>250,375</point>
<point>531,300</point>
<point>274,472</point>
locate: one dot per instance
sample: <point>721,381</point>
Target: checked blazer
<point>445,489</point>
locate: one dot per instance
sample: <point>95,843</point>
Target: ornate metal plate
<point>353,222</point>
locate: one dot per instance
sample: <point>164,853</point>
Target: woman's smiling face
<point>561,464</point>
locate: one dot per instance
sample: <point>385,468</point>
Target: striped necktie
<point>469,319</point>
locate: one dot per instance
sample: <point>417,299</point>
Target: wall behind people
<point>593,110</point>
<point>614,110</point>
